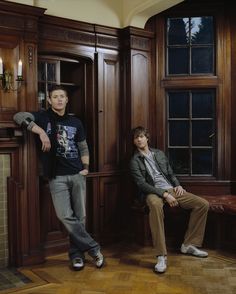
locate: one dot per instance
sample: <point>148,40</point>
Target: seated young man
<point>158,185</point>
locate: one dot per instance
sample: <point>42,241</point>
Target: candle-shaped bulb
<point>19,71</point>
<point>1,66</point>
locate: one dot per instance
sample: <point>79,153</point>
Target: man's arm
<point>26,120</point>
<point>46,144</point>
<point>84,152</point>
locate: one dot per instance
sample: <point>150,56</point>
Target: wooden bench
<point>220,229</point>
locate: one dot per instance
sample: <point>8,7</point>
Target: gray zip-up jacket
<point>142,177</point>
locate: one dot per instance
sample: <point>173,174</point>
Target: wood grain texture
<point>129,270</point>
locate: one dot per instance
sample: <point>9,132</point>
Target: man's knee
<point>154,201</point>
<point>204,204</point>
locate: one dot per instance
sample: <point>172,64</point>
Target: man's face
<point>58,101</point>
<point>141,141</point>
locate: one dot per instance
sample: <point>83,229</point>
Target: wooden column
<point>138,73</point>
<point>18,40</point>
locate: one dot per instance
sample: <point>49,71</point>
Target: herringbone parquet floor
<point>129,270</point>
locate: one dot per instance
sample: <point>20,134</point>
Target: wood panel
<point>233,98</point>
<point>110,208</point>
<point>23,224</point>
<point>107,209</point>
<point>138,73</point>
<point>19,26</point>
<point>139,89</point>
<point>18,40</point>
<point>108,111</point>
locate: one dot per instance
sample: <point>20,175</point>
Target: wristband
<point>26,122</point>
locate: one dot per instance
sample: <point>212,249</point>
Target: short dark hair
<point>57,87</point>
<point>138,131</point>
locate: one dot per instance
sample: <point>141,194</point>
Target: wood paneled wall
<point>18,39</point>
<point>221,81</point>
<point>108,111</point>
<point>124,87</point>
<point>233,99</point>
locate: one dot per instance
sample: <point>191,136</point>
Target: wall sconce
<point>7,78</point>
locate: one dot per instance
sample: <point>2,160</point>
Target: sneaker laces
<point>99,260</point>
<point>161,264</point>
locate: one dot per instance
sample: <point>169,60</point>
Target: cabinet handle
<point>100,111</point>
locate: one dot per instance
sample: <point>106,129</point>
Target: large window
<point>191,125</point>
<point>190,45</point>
<point>191,131</point>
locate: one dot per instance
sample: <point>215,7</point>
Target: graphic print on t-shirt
<point>49,129</point>
<point>66,142</point>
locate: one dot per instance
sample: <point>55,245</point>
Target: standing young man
<point>157,183</point>
<point>65,159</point>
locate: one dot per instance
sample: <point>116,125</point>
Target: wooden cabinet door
<point>108,112</point>
<point>110,208</point>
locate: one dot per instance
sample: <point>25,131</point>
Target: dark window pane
<point>202,60</point>
<point>179,160</point>
<point>178,104</point>
<point>51,86</point>
<point>203,104</point>
<point>202,30</point>
<point>178,60</point>
<point>41,87</point>
<point>178,29</point>
<point>179,133</point>
<point>51,71</point>
<point>202,133</point>
<point>202,162</point>
<point>41,71</point>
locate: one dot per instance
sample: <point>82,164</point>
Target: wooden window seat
<point>220,229</point>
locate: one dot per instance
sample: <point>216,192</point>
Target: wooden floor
<point>129,270</point>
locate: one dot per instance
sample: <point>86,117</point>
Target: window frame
<point>190,46</point>
<point>191,119</point>
<point>220,82</point>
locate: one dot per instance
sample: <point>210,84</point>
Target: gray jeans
<point>69,200</point>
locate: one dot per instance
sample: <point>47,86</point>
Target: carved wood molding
<point>140,43</point>
<point>19,17</point>
<point>66,35</point>
<point>60,29</point>
<point>107,41</point>
<point>31,24</point>
<point>22,9</point>
<point>137,39</point>
<point>30,54</point>
<point>9,21</point>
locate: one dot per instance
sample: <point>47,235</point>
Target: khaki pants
<point>197,222</point>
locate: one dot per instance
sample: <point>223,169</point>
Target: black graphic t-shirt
<point>69,132</point>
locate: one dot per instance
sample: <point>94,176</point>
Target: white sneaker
<point>161,265</point>
<point>77,263</point>
<point>99,260</point>
<point>193,250</point>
